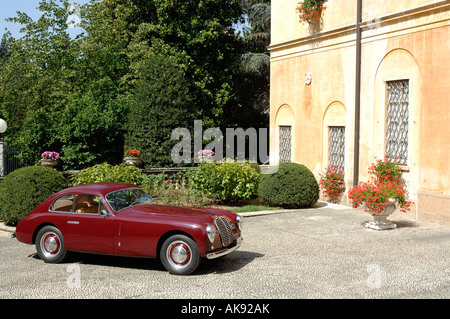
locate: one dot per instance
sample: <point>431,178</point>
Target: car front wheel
<point>179,255</point>
<point>50,245</point>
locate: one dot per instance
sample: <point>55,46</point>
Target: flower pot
<point>379,221</point>
<point>132,160</point>
<point>49,162</point>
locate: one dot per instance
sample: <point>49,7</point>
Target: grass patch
<point>251,208</point>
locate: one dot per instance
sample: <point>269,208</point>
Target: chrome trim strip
<point>225,252</point>
<point>73,222</point>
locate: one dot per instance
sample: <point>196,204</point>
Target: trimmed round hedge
<point>25,188</point>
<point>291,186</point>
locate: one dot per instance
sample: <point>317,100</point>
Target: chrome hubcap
<point>178,254</point>
<point>50,244</point>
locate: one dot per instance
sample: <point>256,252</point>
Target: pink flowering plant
<point>309,11</point>
<point>50,155</point>
<point>205,155</point>
<point>332,183</point>
<point>386,182</point>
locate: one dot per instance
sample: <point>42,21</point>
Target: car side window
<point>127,197</point>
<point>63,203</point>
<point>89,204</point>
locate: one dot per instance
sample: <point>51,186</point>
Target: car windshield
<point>127,197</point>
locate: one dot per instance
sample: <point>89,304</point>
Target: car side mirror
<point>104,213</point>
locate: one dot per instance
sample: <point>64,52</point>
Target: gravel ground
<point>312,253</point>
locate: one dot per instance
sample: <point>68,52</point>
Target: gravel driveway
<point>312,253</point>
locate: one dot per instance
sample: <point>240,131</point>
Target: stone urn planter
<point>132,160</point>
<point>49,162</point>
<point>379,221</point>
<point>49,158</point>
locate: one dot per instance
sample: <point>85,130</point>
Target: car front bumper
<point>226,251</point>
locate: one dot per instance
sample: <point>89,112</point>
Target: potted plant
<point>205,155</point>
<point>382,195</point>
<point>309,11</point>
<point>49,158</point>
<point>132,156</point>
<point>332,183</point>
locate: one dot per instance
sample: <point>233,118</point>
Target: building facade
<point>339,98</point>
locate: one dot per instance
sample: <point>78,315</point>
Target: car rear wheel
<point>179,255</point>
<point>50,245</point>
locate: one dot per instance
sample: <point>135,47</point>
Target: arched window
<point>397,114</point>
<point>285,144</point>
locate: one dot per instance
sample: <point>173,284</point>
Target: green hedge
<point>228,181</point>
<point>22,190</point>
<point>108,173</point>
<point>291,186</point>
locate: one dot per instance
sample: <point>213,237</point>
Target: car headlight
<point>240,221</point>
<point>212,232</point>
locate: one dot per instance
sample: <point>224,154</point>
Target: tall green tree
<point>109,28</point>
<point>203,31</point>
<point>37,78</point>
<point>61,93</point>
<point>5,47</point>
<point>256,59</point>
<point>159,103</point>
<point>91,127</point>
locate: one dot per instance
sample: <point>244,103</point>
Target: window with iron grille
<point>285,144</point>
<point>336,146</point>
<point>397,113</point>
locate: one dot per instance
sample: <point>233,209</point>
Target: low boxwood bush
<point>291,186</point>
<point>25,188</point>
<point>228,181</point>
<point>108,173</point>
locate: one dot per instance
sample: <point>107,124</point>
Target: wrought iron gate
<point>10,163</point>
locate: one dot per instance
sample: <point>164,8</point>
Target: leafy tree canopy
<point>75,95</point>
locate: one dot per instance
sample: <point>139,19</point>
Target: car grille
<point>224,229</point>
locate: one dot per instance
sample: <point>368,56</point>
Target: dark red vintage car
<point>121,219</point>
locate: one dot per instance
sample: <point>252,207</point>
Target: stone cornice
<point>388,25</point>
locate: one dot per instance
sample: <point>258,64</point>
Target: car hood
<point>172,211</point>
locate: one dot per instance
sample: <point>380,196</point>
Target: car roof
<point>97,188</point>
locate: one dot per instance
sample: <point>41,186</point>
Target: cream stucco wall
<point>338,13</point>
<point>405,39</point>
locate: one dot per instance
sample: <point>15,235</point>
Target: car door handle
<point>73,222</point>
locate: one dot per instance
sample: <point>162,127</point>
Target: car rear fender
<point>36,231</point>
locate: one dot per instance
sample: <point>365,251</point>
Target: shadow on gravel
<point>109,261</point>
<point>405,223</point>
<point>225,264</point>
